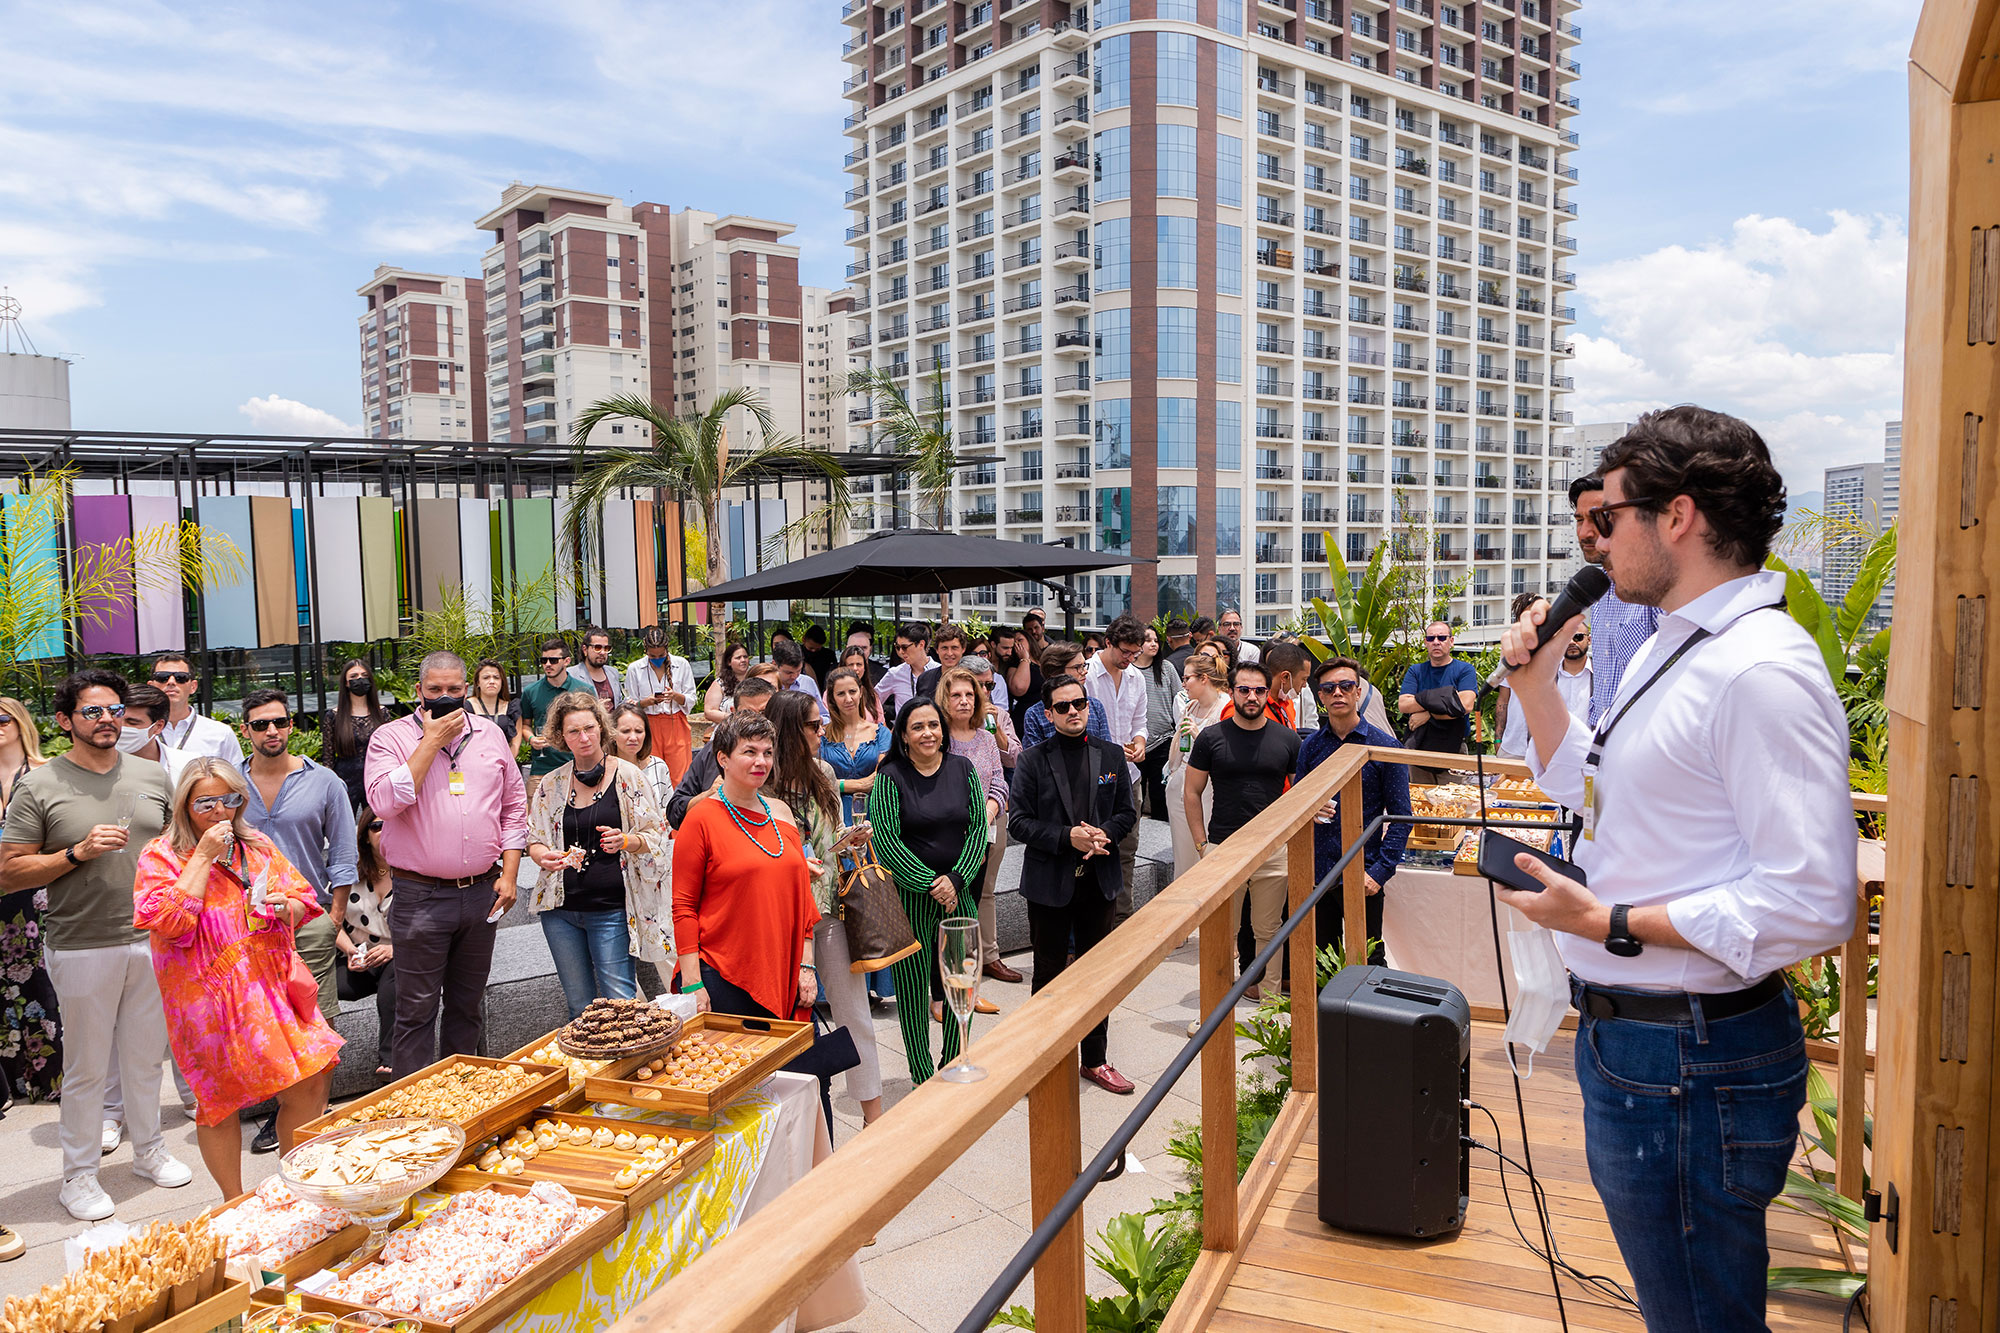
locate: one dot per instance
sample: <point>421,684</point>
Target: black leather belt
<point>468,882</point>
<point>1673,1006</point>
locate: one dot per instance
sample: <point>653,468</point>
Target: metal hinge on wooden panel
<point>1875,1207</point>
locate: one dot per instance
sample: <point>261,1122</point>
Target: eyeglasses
<point>203,805</point>
<point>1600,515</point>
<point>1068,705</point>
<point>1338,686</point>
<point>264,724</point>
<point>1253,691</point>
<point>96,712</point>
<point>551,661</point>
<point>172,677</point>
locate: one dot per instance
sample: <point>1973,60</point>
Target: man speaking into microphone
<point>1719,845</point>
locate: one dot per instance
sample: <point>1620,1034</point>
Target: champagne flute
<point>958,960</point>
<point>126,807</point>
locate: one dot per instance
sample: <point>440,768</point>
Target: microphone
<point>1582,592</point>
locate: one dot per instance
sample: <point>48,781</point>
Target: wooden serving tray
<point>229,1303</point>
<point>776,1041</point>
<point>310,1260</point>
<point>572,1098</point>
<point>536,1279</point>
<point>587,1170</point>
<point>550,1081</point>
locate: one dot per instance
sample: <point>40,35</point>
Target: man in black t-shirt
<point>1250,761</point>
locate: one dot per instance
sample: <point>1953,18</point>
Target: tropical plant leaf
<point>1835,1282</point>
<point>1877,567</point>
<point>1807,607</point>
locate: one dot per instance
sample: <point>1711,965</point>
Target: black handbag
<point>832,1052</point>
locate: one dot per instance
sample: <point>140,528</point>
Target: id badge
<point>457,780</point>
<point>1589,805</point>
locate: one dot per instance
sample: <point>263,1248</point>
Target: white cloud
<point>286,416</point>
<point>1797,331</point>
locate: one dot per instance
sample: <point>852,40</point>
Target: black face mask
<point>449,703</point>
<point>590,777</point>
<point>360,685</point>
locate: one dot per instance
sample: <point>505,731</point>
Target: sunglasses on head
<point>203,805</point>
<point>1068,705</point>
<point>96,712</point>
<point>1600,515</point>
<point>264,724</point>
<point>173,677</point>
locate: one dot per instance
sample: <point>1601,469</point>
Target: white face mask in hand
<point>1541,993</point>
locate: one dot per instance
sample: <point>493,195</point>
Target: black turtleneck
<point>1073,753</point>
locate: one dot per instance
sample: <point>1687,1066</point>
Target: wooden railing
<point>760,1273</point>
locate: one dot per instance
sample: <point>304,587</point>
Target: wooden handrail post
<point>1851,1097</point>
<point>1218,1081</point>
<point>1055,1157</point>
<point>1303,951</point>
<point>1354,885</point>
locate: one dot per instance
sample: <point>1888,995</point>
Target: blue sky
<point>189,195</point>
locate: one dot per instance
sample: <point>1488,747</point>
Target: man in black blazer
<point>1069,804</point>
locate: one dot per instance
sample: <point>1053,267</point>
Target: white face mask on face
<point>131,740</point>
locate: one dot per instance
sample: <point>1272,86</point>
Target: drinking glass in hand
<point>127,807</point>
<point>958,961</point>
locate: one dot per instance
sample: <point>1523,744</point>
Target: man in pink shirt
<point>444,783</point>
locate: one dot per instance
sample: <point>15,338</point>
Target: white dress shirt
<point>643,682</point>
<point>1573,686</point>
<point>198,734</point>
<point>899,686</point>
<point>1123,701</point>
<point>1722,794</point>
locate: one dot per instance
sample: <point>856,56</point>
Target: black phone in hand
<point>1496,861</point>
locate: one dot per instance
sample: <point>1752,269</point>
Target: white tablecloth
<point>1436,924</point>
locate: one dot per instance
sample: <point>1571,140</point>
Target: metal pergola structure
<point>195,464</point>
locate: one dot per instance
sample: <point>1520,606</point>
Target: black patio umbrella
<point>913,562</point>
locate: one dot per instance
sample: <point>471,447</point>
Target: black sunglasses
<point>1338,686</point>
<point>551,661</point>
<point>374,826</point>
<point>1437,638</point>
<point>1068,705</point>
<point>264,724</point>
<point>1253,690</point>
<point>175,677</point>
<point>1600,515</point>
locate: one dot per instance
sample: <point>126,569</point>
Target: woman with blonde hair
<point>1204,689</point>
<point>31,1059</point>
<point>597,831</point>
<point>222,904</point>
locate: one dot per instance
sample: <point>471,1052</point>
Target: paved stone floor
<point>926,1267</point>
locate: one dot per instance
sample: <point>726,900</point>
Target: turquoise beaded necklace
<point>746,825</point>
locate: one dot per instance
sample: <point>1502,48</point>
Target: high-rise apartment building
<point>1892,471</point>
<point>1226,282</point>
<point>1853,495</point>
<point>422,356</point>
<point>1588,442</point>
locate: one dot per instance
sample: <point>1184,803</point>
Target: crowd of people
<point>173,901</point>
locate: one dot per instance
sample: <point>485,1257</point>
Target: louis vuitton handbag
<point>871,912</point>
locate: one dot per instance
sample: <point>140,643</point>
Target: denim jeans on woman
<point>592,952</point>
<point>1689,1129</point>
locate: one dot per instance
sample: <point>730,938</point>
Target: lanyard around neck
<point>1604,732</point>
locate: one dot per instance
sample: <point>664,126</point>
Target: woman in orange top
<point>743,905</point>
<point>222,903</point>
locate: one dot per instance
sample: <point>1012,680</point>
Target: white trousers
<point>109,999</point>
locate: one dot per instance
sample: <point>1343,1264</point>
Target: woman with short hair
<point>598,834</point>
<point>222,905</point>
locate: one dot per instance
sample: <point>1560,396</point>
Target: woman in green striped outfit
<point>929,815</point>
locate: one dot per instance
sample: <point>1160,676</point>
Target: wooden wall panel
<point>380,577</point>
<point>277,576</point>
<point>437,552</point>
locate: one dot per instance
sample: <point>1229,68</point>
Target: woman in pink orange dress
<point>222,903</point>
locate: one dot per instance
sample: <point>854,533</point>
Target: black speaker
<point>1395,1067</point>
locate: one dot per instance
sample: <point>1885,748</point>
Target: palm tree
<point>919,436</point>
<point>690,456</point>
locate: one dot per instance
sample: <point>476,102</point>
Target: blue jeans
<point>593,958</point>
<point>1689,1129</point>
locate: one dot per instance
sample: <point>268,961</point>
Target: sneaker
<point>163,1169</point>
<point>114,1134</point>
<point>267,1137</point>
<point>85,1199</point>
<point>11,1244</point>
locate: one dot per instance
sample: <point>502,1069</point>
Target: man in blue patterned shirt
<point>1617,628</point>
<point>1385,789</point>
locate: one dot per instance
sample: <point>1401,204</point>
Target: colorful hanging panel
<point>528,543</point>
<point>229,614</point>
<point>336,557</point>
<point>437,565</point>
<point>300,585</point>
<point>276,572</point>
<point>379,607</point>
<point>620,607</point>
<point>34,574</point>
<point>101,531</point>
<point>160,619</point>
<point>475,555</point>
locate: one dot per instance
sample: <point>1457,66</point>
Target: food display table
<point>764,1141</point>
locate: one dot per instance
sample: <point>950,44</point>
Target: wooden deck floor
<point>1299,1274</point>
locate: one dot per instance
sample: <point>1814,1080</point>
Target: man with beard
<point>1231,626</point>
<point>1617,627</point>
<point>1573,680</point>
<point>597,675</point>
<point>1249,760</point>
<point>75,826</point>
<point>1017,672</point>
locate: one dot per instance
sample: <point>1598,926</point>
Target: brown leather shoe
<point>1109,1079</point>
<point>999,971</point>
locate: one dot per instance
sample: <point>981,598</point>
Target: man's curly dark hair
<point>1716,460</point>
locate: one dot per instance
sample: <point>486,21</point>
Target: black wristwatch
<point>1620,941</point>
<point>70,852</point>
